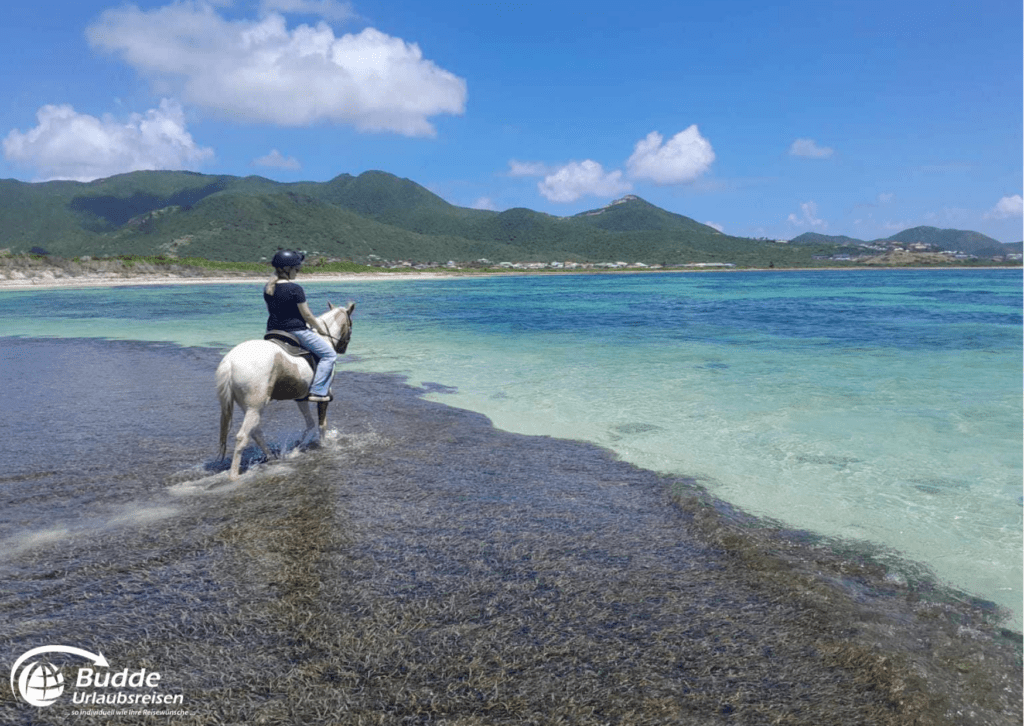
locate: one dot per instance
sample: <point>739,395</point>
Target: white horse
<point>256,371</point>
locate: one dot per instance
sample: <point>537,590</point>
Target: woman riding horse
<point>286,304</point>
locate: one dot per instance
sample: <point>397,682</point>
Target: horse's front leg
<point>321,409</point>
<point>257,436</point>
<point>310,421</point>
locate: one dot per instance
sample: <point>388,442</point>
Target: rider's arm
<point>311,320</point>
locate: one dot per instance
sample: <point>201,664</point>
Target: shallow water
<point>422,566</point>
<point>879,406</point>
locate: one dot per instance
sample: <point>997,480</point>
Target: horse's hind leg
<point>248,430</point>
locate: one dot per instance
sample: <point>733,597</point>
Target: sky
<point>760,119</point>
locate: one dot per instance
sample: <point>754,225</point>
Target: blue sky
<point>763,119</point>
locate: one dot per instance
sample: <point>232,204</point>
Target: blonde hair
<point>271,285</point>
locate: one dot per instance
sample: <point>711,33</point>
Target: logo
<point>40,683</point>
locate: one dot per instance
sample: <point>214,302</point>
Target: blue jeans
<point>314,343</point>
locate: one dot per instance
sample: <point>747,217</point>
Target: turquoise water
<point>878,406</point>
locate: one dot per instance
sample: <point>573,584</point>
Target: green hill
<point>814,238</point>
<point>375,215</point>
<point>633,214</point>
<point>973,243</point>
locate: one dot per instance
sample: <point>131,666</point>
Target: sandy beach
<point>43,281</point>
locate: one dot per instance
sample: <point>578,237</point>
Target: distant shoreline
<point>45,279</point>
<point>146,280</point>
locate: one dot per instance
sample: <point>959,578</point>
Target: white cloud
<point>886,197</point>
<point>527,168</point>
<point>808,217</point>
<point>70,145</point>
<point>716,225</point>
<point>810,149</point>
<point>1007,207</point>
<point>484,203</point>
<point>263,72</point>
<point>276,160</point>
<point>578,179</point>
<point>685,157</point>
<point>327,9</point>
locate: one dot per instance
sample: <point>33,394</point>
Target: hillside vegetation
<point>973,243</point>
<point>365,219</point>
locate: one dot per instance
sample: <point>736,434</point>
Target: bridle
<point>335,341</point>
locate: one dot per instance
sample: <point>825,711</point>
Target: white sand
<point>47,280</point>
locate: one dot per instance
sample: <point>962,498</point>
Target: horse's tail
<point>227,403</point>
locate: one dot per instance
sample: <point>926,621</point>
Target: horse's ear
<point>350,307</point>
<point>329,306</point>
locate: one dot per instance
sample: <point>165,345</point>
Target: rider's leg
<point>313,342</point>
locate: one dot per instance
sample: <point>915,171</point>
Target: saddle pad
<point>288,344</point>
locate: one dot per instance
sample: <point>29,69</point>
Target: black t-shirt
<point>283,307</point>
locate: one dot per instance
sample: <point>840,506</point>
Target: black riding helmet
<point>287,258</point>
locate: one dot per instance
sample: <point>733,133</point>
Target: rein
<point>335,342</point>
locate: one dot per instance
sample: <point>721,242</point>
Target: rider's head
<point>287,258</point>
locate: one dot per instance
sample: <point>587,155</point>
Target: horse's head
<point>339,325</point>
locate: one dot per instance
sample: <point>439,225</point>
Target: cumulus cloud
<point>683,158</point>
<point>66,144</point>
<point>1007,207</point>
<point>578,179</point>
<point>276,160</point>
<point>716,225</point>
<point>808,217</point>
<point>262,71</point>
<point>809,148</point>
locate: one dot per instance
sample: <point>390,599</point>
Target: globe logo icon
<point>41,684</point>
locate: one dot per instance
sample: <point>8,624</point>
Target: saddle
<point>290,345</point>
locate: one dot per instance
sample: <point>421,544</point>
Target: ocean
<point>879,407</point>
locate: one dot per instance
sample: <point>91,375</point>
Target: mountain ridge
<point>373,216</point>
